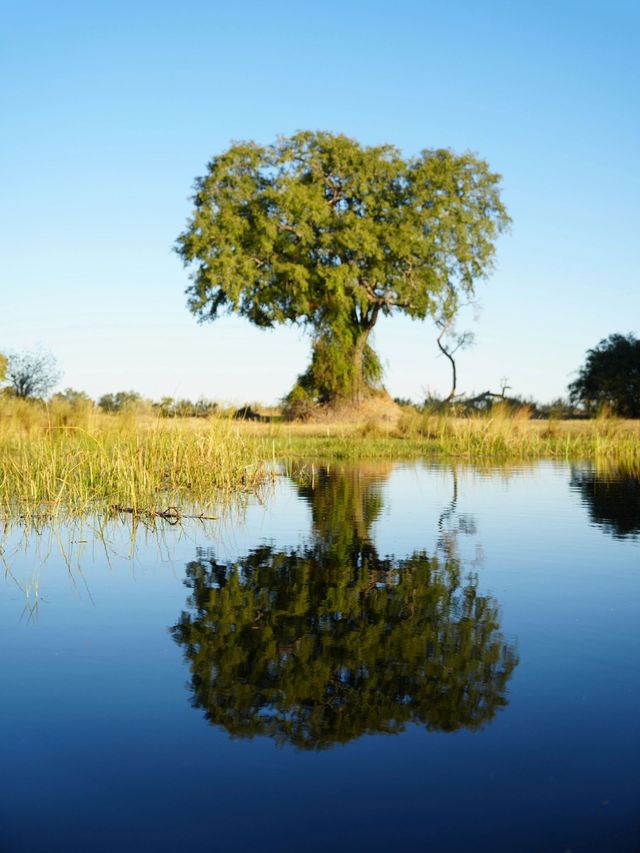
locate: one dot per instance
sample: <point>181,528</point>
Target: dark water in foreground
<point>373,658</point>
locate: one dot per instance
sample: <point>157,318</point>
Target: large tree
<point>610,377</point>
<point>319,230</point>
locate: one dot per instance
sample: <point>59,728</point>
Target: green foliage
<point>610,377</point>
<point>321,644</point>
<point>319,230</point>
<point>3,367</point>
<point>167,407</point>
<point>330,376</point>
<point>72,397</point>
<point>170,408</point>
<point>558,409</point>
<point>70,408</point>
<point>405,403</point>
<point>32,374</point>
<point>120,401</point>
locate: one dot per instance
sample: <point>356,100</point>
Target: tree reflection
<point>320,644</point>
<point>613,500</point>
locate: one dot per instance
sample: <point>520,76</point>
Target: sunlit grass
<point>499,436</point>
<point>55,459</point>
<point>140,465</point>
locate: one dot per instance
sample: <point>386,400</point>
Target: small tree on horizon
<point>32,374</point>
<point>73,397</point>
<point>119,401</point>
<point>321,231</point>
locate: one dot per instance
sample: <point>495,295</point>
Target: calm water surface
<point>371,658</point>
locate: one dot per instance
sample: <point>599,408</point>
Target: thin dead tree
<point>449,350</point>
<point>457,342</point>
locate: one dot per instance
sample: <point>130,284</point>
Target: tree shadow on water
<point>320,644</point>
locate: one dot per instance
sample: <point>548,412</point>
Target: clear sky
<point>110,109</point>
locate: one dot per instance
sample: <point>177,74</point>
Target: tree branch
<point>449,355</point>
<point>283,226</point>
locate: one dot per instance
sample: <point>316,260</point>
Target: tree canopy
<point>321,644</point>
<point>319,230</point>
<point>610,377</point>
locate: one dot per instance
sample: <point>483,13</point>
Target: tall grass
<point>73,457</point>
<point>507,435</point>
<point>499,436</point>
<point>84,459</point>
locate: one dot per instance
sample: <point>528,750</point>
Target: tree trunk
<point>360,385</point>
<point>343,366</point>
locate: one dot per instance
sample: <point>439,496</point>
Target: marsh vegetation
<point>56,459</point>
<point>72,456</point>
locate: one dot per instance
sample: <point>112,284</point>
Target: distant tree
<point>168,407</point>
<point>119,401</point>
<point>322,231</point>
<point>556,409</point>
<point>70,408</point>
<point>610,377</point>
<point>186,409</point>
<point>164,407</point>
<point>202,408</point>
<point>3,367</point>
<point>32,374</point>
<point>72,397</point>
<point>107,403</point>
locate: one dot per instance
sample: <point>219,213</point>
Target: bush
<point>121,401</point>
<point>170,408</point>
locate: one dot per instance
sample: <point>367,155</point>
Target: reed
<point>499,436</point>
<point>141,464</point>
<point>55,458</point>
<point>504,435</point>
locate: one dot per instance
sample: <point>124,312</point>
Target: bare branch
<point>462,341</point>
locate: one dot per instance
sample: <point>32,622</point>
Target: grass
<point>499,436</point>
<point>59,458</point>
<point>122,461</point>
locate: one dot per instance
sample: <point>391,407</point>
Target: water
<point>371,658</point>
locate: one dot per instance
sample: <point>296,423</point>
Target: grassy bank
<point>52,458</point>
<point>122,461</point>
<point>498,437</point>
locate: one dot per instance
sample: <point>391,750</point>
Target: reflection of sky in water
<point>98,730</point>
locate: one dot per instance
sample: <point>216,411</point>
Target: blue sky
<point>110,110</point>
